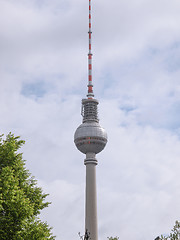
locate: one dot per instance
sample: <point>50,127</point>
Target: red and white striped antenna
<point>90,85</point>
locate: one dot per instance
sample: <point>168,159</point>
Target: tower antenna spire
<point>90,94</point>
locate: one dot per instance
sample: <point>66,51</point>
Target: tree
<point>113,238</point>
<point>20,199</point>
<point>175,233</point>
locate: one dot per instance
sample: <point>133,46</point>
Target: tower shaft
<point>91,225</point>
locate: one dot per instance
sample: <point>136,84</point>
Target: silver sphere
<point>90,137</point>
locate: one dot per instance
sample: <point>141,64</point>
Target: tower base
<point>91,225</point>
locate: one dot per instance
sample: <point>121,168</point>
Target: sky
<point>136,75</point>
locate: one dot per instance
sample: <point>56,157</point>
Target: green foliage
<point>20,199</point>
<point>175,233</point>
<point>113,238</point>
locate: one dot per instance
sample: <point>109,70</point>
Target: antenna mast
<point>90,94</point>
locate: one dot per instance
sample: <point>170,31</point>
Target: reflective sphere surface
<point>90,137</point>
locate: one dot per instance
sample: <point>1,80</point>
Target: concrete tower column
<point>91,225</point>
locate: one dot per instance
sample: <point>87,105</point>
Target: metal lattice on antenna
<point>90,85</point>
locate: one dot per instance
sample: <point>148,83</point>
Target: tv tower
<point>90,138</point>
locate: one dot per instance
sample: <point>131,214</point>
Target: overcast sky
<point>136,74</point>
